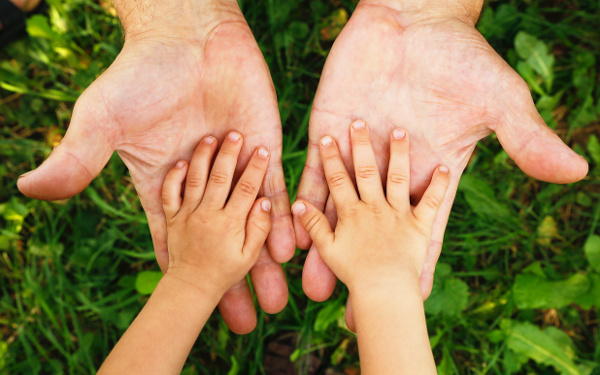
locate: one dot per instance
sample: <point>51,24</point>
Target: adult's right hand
<point>187,69</point>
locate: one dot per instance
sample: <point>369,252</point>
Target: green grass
<point>518,286</point>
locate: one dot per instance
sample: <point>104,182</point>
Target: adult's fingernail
<point>326,141</point>
<point>266,205</point>
<point>298,208</point>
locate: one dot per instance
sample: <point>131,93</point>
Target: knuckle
<point>397,177</point>
<point>337,179</point>
<point>432,202</point>
<point>312,223</point>
<point>247,188</point>
<point>362,141</point>
<point>219,178</point>
<point>195,181</point>
<point>366,171</point>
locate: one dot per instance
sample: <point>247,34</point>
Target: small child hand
<point>213,241</point>
<point>376,241</point>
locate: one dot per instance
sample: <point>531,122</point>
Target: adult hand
<point>187,69</point>
<point>429,71</point>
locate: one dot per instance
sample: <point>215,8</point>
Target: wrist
<point>189,20</point>
<point>176,285</point>
<point>397,282</point>
<point>464,10</point>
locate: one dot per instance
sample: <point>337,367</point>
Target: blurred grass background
<point>517,289</point>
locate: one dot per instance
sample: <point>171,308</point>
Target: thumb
<point>74,163</point>
<point>536,149</point>
<point>315,223</point>
<point>257,227</point>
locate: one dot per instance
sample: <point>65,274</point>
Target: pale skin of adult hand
<point>423,66</point>
<point>187,69</point>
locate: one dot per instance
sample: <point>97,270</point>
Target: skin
<point>187,69</point>
<point>423,67</point>
<point>379,248</point>
<point>204,229</point>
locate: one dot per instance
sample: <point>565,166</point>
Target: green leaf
<point>593,147</point>
<point>146,281</point>
<point>592,297</point>
<point>299,30</point>
<point>547,348</point>
<point>480,197</point>
<point>533,292</point>
<point>449,296</point>
<point>536,53</point>
<point>592,251</point>
<point>38,27</point>
<point>328,315</point>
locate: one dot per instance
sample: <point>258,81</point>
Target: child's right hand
<point>377,241</point>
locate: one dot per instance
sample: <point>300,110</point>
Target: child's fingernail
<point>266,205</point>
<point>180,164</point>
<point>358,124</point>
<point>234,136</point>
<point>208,140</point>
<point>298,208</point>
<point>263,152</point>
<point>326,141</point>
<point>444,169</point>
<point>398,134</point>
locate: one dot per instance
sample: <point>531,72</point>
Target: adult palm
<point>441,81</point>
<point>153,105</point>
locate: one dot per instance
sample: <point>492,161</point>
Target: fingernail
<point>263,152</point>
<point>298,208</point>
<point>180,164</point>
<point>326,141</point>
<point>358,124</point>
<point>208,140</point>
<point>444,169</point>
<point>25,174</point>
<point>266,205</point>
<point>398,134</point>
<point>234,136</point>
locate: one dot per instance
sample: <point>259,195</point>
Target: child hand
<point>213,241</point>
<point>376,241</point>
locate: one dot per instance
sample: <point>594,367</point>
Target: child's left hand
<point>213,241</point>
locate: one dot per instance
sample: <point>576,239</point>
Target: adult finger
<point>237,308</point>
<point>269,283</point>
<point>536,149</point>
<point>83,152</point>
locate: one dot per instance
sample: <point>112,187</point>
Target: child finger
<point>434,196</point>
<point>366,171</point>
<point>195,183</point>
<point>398,178</point>
<point>245,191</point>
<point>257,228</point>
<point>340,185</point>
<point>171,192</point>
<point>315,223</point>
<point>221,175</point>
